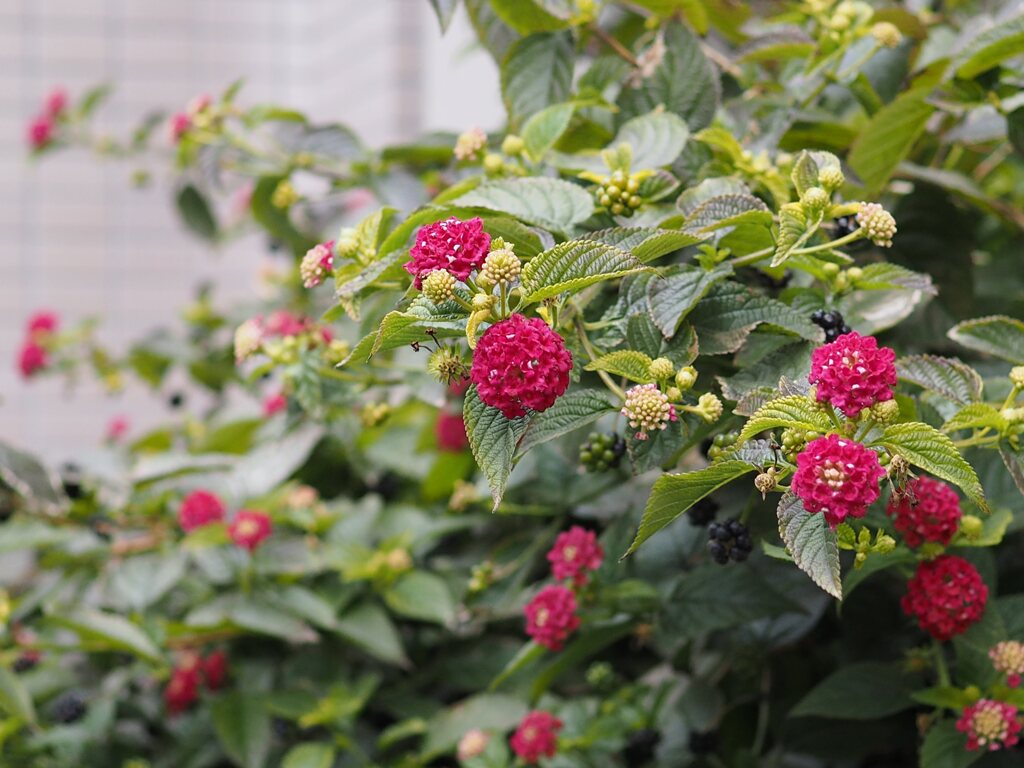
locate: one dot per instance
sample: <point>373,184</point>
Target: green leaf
<point>657,139</point>
<point>573,410</point>
<point>945,747</point>
<point>671,299</point>
<point>196,213</point>
<point>777,46</point>
<point>1003,40</point>
<point>525,656</point>
<point>684,82</point>
<point>796,411</point>
<point>728,211</point>
<point>794,229</point>
<point>1015,129</point>
<point>673,494</point>
<point>401,329</point>
<point>421,595</point>
<point>36,483</point>
<point>946,376</point>
<point>628,363</point>
<point>536,72</point>
<point>572,266</point>
<point>943,697</point>
<point>887,139</point>
<point>543,130</point>
<point>549,203</point>
<point>258,614</point>
<point>487,711</point>
<point>242,724</point>
<point>863,691</point>
<point>107,631</point>
<point>976,416</point>
<point>275,220</point>
<point>494,34</point>
<point>805,173</point>
<point>529,16</point>
<point>142,580</point>
<point>368,627</point>
<point>644,243</point>
<point>312,755</point>
<point>493,439</point>
<point>927,448</point>
<point>14,699</point>
<point>583,647</point>
<point>445,11</point>
<point>997,335</point>
<point>812,544</point>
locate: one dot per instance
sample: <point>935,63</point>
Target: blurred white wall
<point>76,238</point>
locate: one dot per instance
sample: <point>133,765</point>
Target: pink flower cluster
<point>455,246</point>
<point>837,477</point>
<point>182,689</point>
<point>450,431</point>
<point>853,373</point>
<point>926,510</point>
<point>1008,658</point>
<point>551,617</point>
<point>248,528</point>
<point>274,403</point>
<point>181,123</point>
<point>946,595</point>
<point>43,127</point>
<point>575,553</point>
<point>519,364</point>
<point>317,264</point>
<point>536,736</point>
<point>34,355</point>
<point>250,335</point>
<point>990,725</point>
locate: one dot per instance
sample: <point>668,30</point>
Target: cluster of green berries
<point>795,440</point>
<point>602,452</point>
<point>620,195</point>
<point>723,445</point>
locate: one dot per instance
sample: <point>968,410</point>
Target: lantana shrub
<point>675,422</point>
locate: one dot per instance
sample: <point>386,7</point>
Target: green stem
<point>503,299</point>
<point>857,234</point>
<point>752,258</point>
<point>589,349</point>
<point>940,663</point>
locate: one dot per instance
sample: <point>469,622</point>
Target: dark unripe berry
<point>69,708</point>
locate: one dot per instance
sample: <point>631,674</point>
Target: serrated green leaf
<point>684,82</point>
<point>728,210</point>
<point>927,448</point>
<point>657,139</point>
<point>544,128</point>
<point>946,376</point>
<point>646,244</point>
<point>400,329</point>
<point>777,46</point>
<point>242,724</point>
<point>672,298</point>
<point>811,543</point>
<point>673,494</point>
<point>794,411</point>
<point>794,229</point>
<point>573,410</point>
<point>571,266</point>
<point>549,203</point>
<point>421,595</point>
<point>887,139</point>
<point>805,173</point>
<point>945,747</point>
<point>867,690</point>
<point>628,363</point>
<point>883,276</point>
<point>108,631</point>
<point>976,416</point>
<point>536,72</point>
<point>529,16</point>
<point>993,46</point>
<point>493,440</point>
<point>997,335</point>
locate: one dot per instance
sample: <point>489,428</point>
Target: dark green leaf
<point>887,139</point>
<point>536,72</point>
<point>196,213</point>
<point>811,543</point>
<point>671,299</point>
<point>863,691</point>
<point>945,376</point>
<point>573,410</point>
<point>242,723</point>
<point>493,440</point>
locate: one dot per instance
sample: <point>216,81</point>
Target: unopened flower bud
<point>884,543</point>
<point>887,34</point>
<point>815,200</point>
<point>1013,415</point>
<point>398,560</point>
<point>831,177</point>
<point>284,195</point>
<point>337,350</point>
<point>673,394</point>
<point>248,337</point>
<point>469,144</point>
<point>493,163</point>
<point>501,266</point>
<point>374,414</point>
<point>686,377</point>
<point>347,244</point>
<point>710,407</point>
<point>971,526</point>
<point>878,224</point>
<point>885,412</point>
<point>439,286</point>
<point>1017,376</point>
<point>830,269</point>
<point>483,302</point>
<point>512,145</point>
<point>473,744</point>
<point>661,368</point>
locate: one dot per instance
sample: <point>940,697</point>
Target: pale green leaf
<point>421,595</point>
<point>646,244</point>
<point>544,128</point>
<point>628,363</point>
<point>549,203</point>
<point>657,139</point>
<point>997,335</point>
<point>792,411</point>
<point>309,755</point>
<point>108,631</point>
<point>976,416</point>
<point>993,46</point>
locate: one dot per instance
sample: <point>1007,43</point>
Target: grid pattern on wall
<point>74,235</point>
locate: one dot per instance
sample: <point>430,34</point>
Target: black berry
<point>703,512</point>
<point>71,479</point>
<point>846,225</point>
<point>729,540</point>
<point>25,662</point>
<point>831,334</point>
<point>640,747</point>
<point>69,708</point>
<point>176,400</point>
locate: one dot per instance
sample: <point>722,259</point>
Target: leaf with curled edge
<point>812,544</point>
<point>572,266</point>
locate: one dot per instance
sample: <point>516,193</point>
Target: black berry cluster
<point>722,445</point>
<point>703,512</point>
<point>729,540</point>
<point>69,708</point>
<point>619,195</point>
<point>25,662</point>
<point>602,452</point>
<point>831,322</point>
